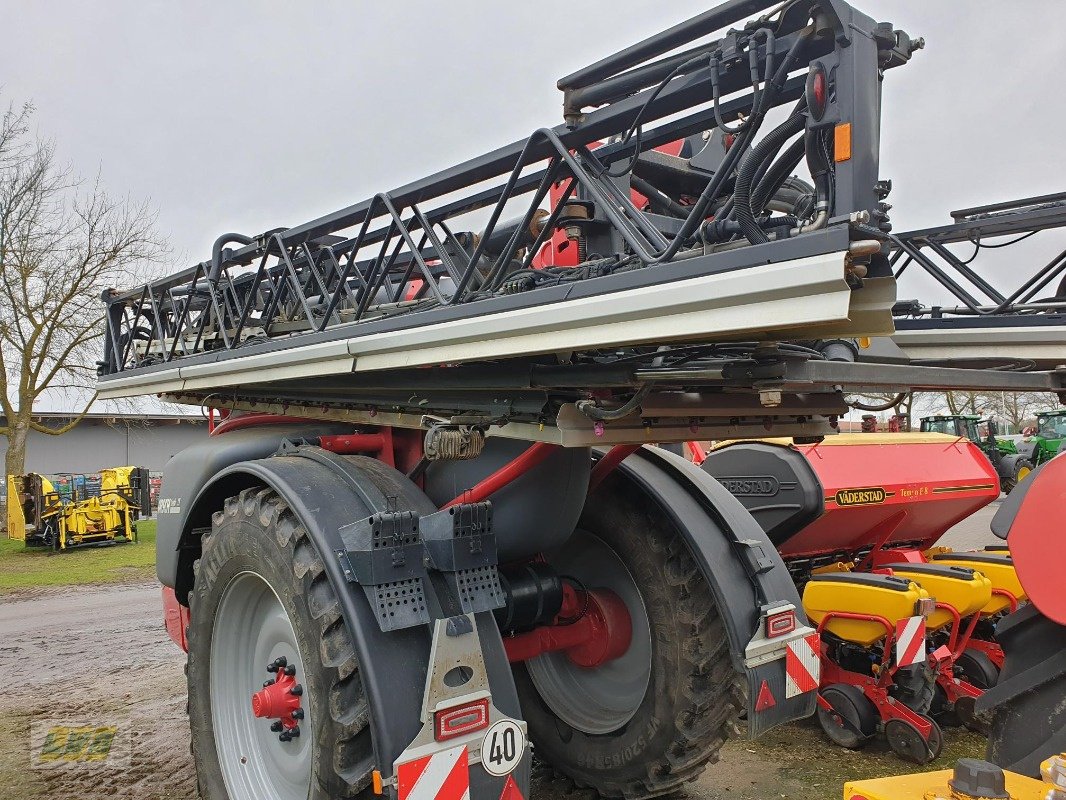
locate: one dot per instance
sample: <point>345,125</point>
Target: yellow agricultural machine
<point>971,779</point>
<point>42,515</point>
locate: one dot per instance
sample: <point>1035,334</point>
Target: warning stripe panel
<point>802,665</point>
<point>910,641</point>
<point>440,776</point>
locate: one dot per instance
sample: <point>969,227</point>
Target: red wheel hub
<point>279,700</point>
<point>593,627</point>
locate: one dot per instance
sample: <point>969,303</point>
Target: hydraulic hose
<point>657,198</point>
<point>775,177</point>
<point>698,212</point>
<point>216,252</point>
<point>757,104</point>
<point>895,401</point>
<point>742,206</point>
<point>594,412</point>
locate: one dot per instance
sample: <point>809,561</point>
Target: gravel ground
<point>98,657</point>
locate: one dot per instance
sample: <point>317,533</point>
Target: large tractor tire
<point>260,595</point>
<point>1019,471</point>
<point>648,722</point>
<point>1028,714</point>
<point>915,687</point>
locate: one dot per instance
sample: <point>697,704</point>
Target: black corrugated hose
<point>749,164</point>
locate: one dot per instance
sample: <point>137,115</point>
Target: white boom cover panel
<point>802,299</point>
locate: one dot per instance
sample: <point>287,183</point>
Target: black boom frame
<point>359,264</point>
<point>460,248</point>
<point>1037,300</point>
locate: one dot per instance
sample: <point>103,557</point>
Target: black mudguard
<point>327,492</point>
<point>1026,705</point>
<point>191,492</point>
<point>739,562</point>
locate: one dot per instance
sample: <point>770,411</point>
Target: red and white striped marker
<point>803,667</point>
<point>910,641</point>
<point>440,776</point>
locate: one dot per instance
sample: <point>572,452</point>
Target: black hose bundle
<point>775,177</point>
<point>742,190</point>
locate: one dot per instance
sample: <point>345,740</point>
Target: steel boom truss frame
<point>323,318</point>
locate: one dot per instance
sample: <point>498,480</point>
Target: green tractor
<point>1049,438</point>
<point>1012,465</point>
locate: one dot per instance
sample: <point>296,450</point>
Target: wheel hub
<point>279,700</point>
<point>592,627</point>
<point>260,757</point>
<point>602,698</point>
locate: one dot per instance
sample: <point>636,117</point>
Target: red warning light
<point>817,91</point>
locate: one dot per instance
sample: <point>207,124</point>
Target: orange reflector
<point>375,778</point>
<point>864,342</point>
<point>842,142</point>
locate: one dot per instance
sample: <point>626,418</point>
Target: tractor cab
<point>1048,439</point>
<point>1051,426</point>
<point>962,425</point>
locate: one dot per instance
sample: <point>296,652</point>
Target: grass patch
<point>22,568</point>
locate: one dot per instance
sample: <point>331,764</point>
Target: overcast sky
<point>250,116</point>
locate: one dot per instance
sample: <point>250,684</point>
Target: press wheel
<point>908,743</point>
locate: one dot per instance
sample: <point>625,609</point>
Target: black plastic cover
<point>943,570</point>
<point>977,558</point>
<point>774,482</point>
<point>976,778</point>
<point>866,579</point>
<point>1008,509</point>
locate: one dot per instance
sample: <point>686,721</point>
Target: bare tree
<point>63,241</point>
<point>964,402</point>
<point>899,404</point>
<point>1019,408</point>
<point>1014,408</point>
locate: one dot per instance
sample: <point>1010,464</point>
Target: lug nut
<point>272,667</point>
<point>267,683</point>
<point>297,690</point>
<point>294,733</point>
<point>290,670</point>
<point>281,661</point>
<point>276,727</point>
<point>298,714</point>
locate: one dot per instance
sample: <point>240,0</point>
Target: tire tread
<point>350,763</point>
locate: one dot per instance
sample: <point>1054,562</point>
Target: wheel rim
<point>602,699</point>
<point>251,630</point>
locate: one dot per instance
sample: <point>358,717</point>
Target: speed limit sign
<point>502,747</point>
